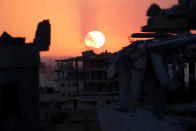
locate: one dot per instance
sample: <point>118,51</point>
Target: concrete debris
<point>132,62</point>
<point>153,10</point>
<point>179,17</point>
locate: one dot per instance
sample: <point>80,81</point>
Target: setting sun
<point>95,39</point>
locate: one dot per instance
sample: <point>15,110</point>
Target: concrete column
<point>136,80</point>
<point>76,64</point>
<point>124,85</point>
<point>57,64</point>
<point>181,88</point>
<point>192,88</point>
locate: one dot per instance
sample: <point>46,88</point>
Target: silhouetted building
<point>19,80</point>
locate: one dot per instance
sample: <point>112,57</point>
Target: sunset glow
<point>71,20</point>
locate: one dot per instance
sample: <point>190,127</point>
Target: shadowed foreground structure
<point>151,74</point>
<point>19,80</point>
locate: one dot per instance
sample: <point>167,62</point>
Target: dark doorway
<point>9,106</point>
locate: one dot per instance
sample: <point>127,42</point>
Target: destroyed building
<point>84,80</point>
<point>152,75</point>
<point>82,86</point>
<point>19,80</point>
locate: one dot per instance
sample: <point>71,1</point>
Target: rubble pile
<point>179,17</point>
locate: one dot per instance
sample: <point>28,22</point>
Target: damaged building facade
<point>84,81</point>
<point>152,74</point>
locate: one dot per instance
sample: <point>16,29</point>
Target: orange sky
<point>72,19</point>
